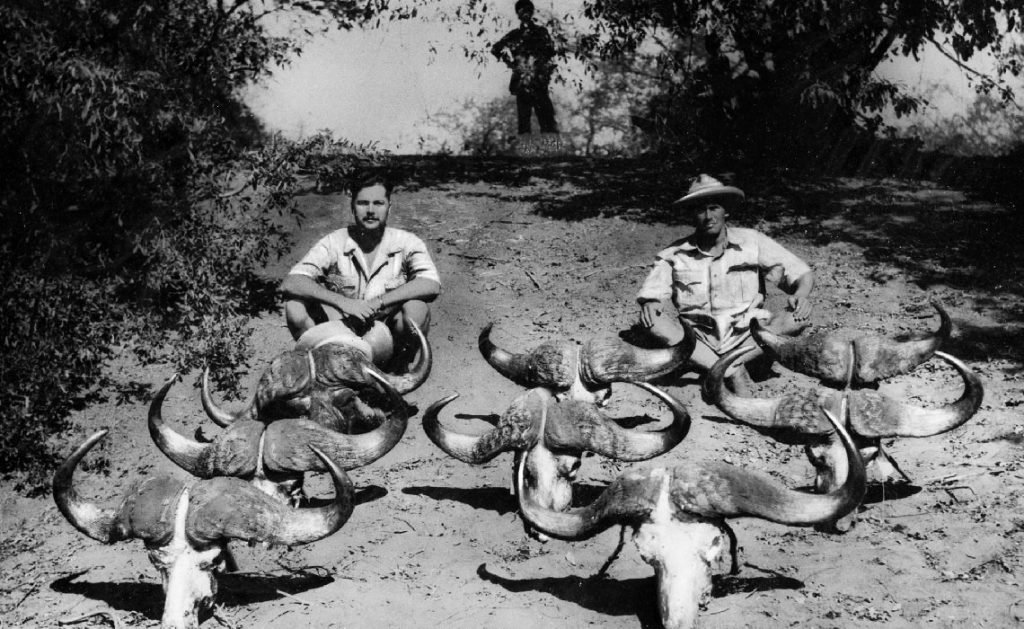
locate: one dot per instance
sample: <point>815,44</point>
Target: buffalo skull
<point>873,416</point>
<point>321,383</point>
<point>678,515</point>
<point>586,371</point>
<point>825,354</point>
<point>274,456</point>
<point>551,436</point>
<point>186,527</point>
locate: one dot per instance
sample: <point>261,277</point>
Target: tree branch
<point>958,61</point>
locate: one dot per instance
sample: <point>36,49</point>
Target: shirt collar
<point>731,242</point>
<point>388,244</point>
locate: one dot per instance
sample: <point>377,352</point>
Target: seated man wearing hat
<point>715,280</point>
<point>362,284</point>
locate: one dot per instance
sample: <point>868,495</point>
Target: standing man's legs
<point>524,106</point>
<point>545,111</point>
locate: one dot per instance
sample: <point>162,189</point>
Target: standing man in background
<point>528,51</point>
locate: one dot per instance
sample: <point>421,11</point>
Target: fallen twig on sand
<point>31,590</point>
<point>472,257</point>
<point>950,479</point>
<point>614,269</point>
<point>615,554</point>
<point>114,620</point>
<point>533,279</point>
<point>295,598</point>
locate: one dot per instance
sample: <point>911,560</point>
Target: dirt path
<point>438,542</point>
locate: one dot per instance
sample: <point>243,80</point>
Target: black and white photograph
<point>364,314</point>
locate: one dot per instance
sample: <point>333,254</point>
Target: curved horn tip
<point>95,438</point>
<point>371,371</point>
<point>724,362</point>
<point>336,471</point>
<point>439,404</point>
<point>62,476</point>
<point>484,338</point>
<point>166,387</point>
<point>381,381</point>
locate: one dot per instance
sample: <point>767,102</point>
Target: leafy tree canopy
<point>139,197</point>
<point>775,74</point>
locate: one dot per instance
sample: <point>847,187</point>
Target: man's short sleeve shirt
<point>338,262</point>
<point>729,284</point>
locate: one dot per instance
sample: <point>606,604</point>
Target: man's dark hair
<point>524,4</point>
<point>368,177</point>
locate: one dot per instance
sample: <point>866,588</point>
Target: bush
<point>139,201</point>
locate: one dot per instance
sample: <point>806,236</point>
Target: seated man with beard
<point>368,278</point>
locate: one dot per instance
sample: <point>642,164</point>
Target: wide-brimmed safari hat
<point>707,189</point>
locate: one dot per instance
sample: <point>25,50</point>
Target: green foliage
<point>140,198</point>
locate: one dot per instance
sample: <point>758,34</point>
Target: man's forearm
<point>804,285</point>
<point>302,287</point>
<point>419,288</point>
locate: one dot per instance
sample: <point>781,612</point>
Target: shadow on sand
<point>497,499</point>
<point>629,597</point>
<point>938,239</point>
<point>235,590</point>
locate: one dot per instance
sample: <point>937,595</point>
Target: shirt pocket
<point>745,280</point>
<point>689,285</point>
<point>396,272</point>
<point>393,283</point>
<point>343,285</point>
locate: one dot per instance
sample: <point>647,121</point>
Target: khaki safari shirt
<point>723,293</point>
<point>339,263</point>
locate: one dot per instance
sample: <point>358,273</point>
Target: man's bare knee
<point>783,323</point>
<point>666,331</point>
<point>297,317</point>
<point>413,310</point>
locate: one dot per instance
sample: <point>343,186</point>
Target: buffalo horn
<point>518,428</point>
<point>874,415</point>
<point>551,364</point>
<point>233,453</point>
<point>419,371</point>
<point>607,359</point>
<point>824,354</point>
<point>229,508</point>
<point>576,426</point>
<point>285,447</point>
<point>713,490</point>
<point>147,510</point>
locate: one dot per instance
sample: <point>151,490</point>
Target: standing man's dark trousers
<point>537,100</point>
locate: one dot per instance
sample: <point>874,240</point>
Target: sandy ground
<point>557,251</point>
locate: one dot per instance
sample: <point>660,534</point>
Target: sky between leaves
<point>379,85</point>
